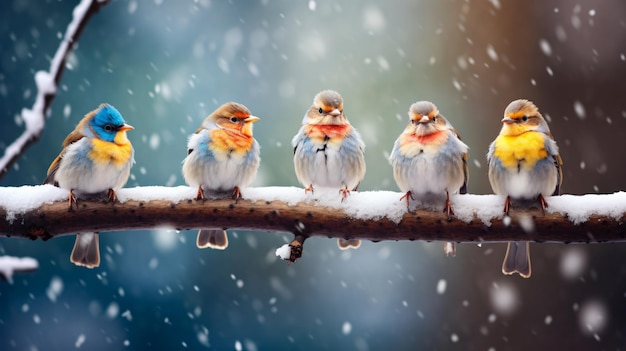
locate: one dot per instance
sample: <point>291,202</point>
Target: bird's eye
<point>434,119</point>
<point>108,128</point>
<point>234,119</point>
<point>524,118</point>
<point>321,110</point>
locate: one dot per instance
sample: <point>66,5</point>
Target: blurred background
<point>167,64</point>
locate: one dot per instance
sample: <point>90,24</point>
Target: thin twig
<point>47,82</point>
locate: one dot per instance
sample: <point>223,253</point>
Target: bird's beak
<point>251,119</point>
<point>335,113</point>
<point>508,120</point>
<point>126,127</point>
<point>424,119</point>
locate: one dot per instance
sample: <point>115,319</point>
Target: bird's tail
<point>517,259</point>
<point>449,248</point>
<point>86,251</point>
<point>345,244</point>
<point>213,238</point>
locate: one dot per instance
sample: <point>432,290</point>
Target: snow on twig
<point>47,82</point>
<point>10,265</point>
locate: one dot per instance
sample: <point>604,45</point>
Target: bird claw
<point>407,196</point>
<point>72,200</point>
<point>448,209</point>
<point>112,196</point>
<point>507,204</point>
<point>344,193</point>
<point>200,194</point>
<point>236,194</point>
<point>543,202</point>
<point>308,188</point>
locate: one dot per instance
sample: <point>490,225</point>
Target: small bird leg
<point>308,188</point>
<point>507,204</point>
<point>543,203</point>
<point>407,196</point>
<point>112,196</point>
<point>344,193</point>
<point>448,210</point>
<point>72,199</point>
<point>200,194</point>
<point>236,193</point>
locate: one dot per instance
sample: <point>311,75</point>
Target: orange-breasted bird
<point>524,163</point>
<point>328,152</point>
<point>222,156</point>
<point>430,158</point>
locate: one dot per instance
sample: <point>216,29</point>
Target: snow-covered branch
<point>42,212</point>
<point>47,82</point>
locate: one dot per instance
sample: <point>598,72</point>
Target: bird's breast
<point>525,149</point>
<point>413,144</point>
<point>104,152</point>
<point>326,132</point>
<point>226,141</point>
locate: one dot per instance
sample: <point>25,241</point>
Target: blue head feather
<point>106,122</point>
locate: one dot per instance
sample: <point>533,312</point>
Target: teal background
<point>166,64</point>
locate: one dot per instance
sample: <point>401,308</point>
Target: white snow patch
<point>10,264</point>
<point>80,341</point>
<point>54,289</point>
<point>579,108</point>
<point>346,328</point>
<point>373,19</point>
<point>504,298</point>
<point>573,262</point>
<point>593,317</point>
<point>284,252</point>
<point>441,286</point>
<point>545,47</point>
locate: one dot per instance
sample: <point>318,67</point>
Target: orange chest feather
<point>436,138</point>
<point>413,144</point>
<point>226,140</point>
<point>104,152</point>
<point>327,131</point>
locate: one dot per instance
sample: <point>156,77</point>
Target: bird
<point>328,152</point>
<point>524,164</point>
<point>222,156</point>
<point>430,158</point>
<point>96,158</point>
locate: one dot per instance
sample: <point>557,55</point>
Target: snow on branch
<point>47,82</point>
<point>10,265</point>
<point>42,212</point>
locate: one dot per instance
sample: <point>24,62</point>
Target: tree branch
<point>47,82</point>
<point>373,215</point>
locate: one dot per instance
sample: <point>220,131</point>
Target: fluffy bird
<point>430,158</point>
<point>222,156</point>
<point>96,158</point>
<point>328,152</point>
<point>524,163</point>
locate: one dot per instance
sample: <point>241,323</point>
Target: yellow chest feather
<point>524,149</point>
<point>104,152</point>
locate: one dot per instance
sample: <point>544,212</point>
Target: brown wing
<point>463,189</point>
<point>73,137</point>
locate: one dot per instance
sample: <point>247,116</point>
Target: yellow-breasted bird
<point>96,157</point>
<point>524,163</point>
